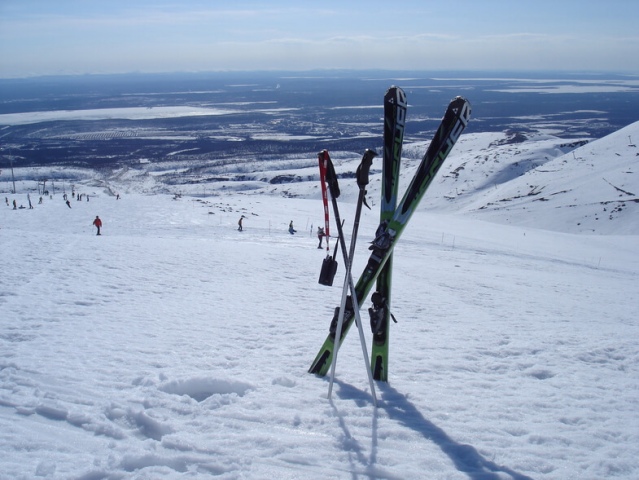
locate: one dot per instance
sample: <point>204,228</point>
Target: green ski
<point>395,106</point>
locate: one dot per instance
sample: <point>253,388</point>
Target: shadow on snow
<point>465,457</point>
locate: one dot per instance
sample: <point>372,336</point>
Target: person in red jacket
<point>98,224</point>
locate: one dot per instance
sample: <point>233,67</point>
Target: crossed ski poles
<point>362,181</point>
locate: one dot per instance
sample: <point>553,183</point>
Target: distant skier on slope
<point>98,224</point>
<point>320,236</point>
<point>239,224</point>
<point>291,230</point>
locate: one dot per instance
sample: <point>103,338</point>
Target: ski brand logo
<point>463,116</point>
<point>455,120</point>
<point>402,105</point>
<point>395,106</point>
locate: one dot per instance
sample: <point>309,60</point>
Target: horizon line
<point>326,70</point>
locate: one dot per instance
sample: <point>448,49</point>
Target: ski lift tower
<point>9,146</point>
<point>43,184</point>
<point>13,178</point>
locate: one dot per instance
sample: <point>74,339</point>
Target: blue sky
<point>41,37</point>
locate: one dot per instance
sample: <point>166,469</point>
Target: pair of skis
<point>392,226</point>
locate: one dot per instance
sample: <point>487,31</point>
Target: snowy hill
<point>540,181</point>
<point>174,346</point>
<point>594,188</point>
<point>531,179</point>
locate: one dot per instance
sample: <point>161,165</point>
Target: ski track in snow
<point>174,346</point>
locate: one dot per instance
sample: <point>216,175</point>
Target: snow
<point>566,85</point>
<point>174,346</point>
<point>130,113</point>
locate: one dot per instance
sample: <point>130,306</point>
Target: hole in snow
<point>200,389</point>
<point>541,374</point>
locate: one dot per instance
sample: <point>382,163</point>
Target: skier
<point>98,224</point>
<point>239,224</point>
<point>320,236</point>
<point>68,203</point>
<point>291,230</point>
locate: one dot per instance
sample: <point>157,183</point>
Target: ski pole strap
<point>364,168</point>
<point>331,176</point>
<point>322,167</point>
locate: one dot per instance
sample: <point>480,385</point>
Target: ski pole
<point>362,181</point>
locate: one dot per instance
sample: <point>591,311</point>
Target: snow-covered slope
<point>530,179</point>
<point>174,346</point>
<point>594,188</point>
<point>533,179</point>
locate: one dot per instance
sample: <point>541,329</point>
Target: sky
<point>41,37</point>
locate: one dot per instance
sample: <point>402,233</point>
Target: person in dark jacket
<point>98,224</point>
<point>320,236</point>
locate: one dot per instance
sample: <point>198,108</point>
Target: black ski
<point>395,106</point>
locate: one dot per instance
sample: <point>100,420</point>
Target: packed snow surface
<point>175,346</point>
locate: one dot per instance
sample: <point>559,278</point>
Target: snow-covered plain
<point>174,346</point>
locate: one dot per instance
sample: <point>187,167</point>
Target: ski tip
<point>459,99</point>
<point>461,107</point>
